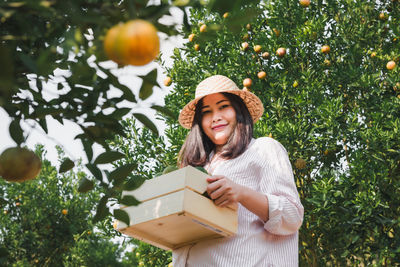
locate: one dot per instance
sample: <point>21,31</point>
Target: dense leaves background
<point>337,112</point>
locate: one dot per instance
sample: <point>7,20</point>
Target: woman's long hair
<point>197,146</point>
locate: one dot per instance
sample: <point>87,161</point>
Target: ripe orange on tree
<point>167,81</point>
<point>226,14</point>
<point>325,49</point>
<point>382,16</point>
<point>191,37</point>
<point>304,3</point>
<point>257,48</point>
<point>261,75</point>
<point>277,32</point>
<point>265,55</point>
<point>245,46</point>
<point>135,42</point>
<point>64,212</point>
<point>247,82</point>
<point>203,28</point>
<point>280,52</point>
<point>197,47</point>
<point>19,164</point>
<point>391,65</point>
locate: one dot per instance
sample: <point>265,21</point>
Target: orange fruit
<point>325,49</point>
<point>245,46</point>
<point>226,14</point>
<point>19,164</point>
<point>281,52</point>
<point>203,28</point>
<point>304,3</point>
<point>247,82</point>
<point>277,32</point>
<point>109,43</point>
<point>257,48</point>
<point>261,75</point>
<point>197,47</point>
<point>64,212</point>
<point>135,42</point>
<point>265,55</point>
<point>191,37</point>
<point>391,65</point>
<point>373,54</point>
<point>382,16</point>
<point>167,81</point>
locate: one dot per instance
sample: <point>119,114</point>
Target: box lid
<point>187,177</point>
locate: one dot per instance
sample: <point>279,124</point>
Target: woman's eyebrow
<point>219,102</point>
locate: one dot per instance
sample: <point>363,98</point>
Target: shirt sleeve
<point>277,183</point>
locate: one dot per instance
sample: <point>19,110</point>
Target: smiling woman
<point>254,174</point>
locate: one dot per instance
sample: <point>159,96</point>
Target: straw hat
<point>220,84</point>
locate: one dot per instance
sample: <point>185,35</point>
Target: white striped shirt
<point>264,167</point>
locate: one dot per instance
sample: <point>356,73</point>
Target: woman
<point>254,173</point>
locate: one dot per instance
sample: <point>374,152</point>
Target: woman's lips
<point>219,127</point>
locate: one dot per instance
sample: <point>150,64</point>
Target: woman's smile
<point>218,118</point>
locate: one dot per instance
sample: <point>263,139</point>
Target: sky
<point>63,135</point>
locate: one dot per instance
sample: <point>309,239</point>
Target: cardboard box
<point>174,213</point>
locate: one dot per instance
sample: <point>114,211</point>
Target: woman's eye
<point>205,112</point>
<point>224,106</point>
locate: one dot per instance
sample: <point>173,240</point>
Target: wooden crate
<point>174,213</point>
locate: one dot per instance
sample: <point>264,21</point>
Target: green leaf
<point>108,157</point>
<point>95,171</point>
<point>87,146</point>
<point>165,111</point>
<point>149,81</point>
<point>129,201</point>
<point>85,185</point>
<point>146,122</point>
<point>16,132</point>
<point>146,90</point>
<point>102,210</point>
<point>120,112</point>
<point>122,172</point>
<point>134,182</point>
<point>43,124</point>
<point>122,216</point>
<point>66,165</point>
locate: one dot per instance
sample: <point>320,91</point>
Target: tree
<point>58,70</point>
<point>47,222</point>
<point>330,99</point>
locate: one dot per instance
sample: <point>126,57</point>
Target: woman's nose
<point>216,116</point>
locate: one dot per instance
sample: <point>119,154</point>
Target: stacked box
<point>174,213</point>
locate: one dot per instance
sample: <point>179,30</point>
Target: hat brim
<point>252,102</point>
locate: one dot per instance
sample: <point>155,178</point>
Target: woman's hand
<point>223,191</point>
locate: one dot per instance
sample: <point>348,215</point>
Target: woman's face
<point>219,119</point>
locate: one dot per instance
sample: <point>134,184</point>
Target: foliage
<point>59,70</point>
<point>337,111</point>
<point>47,222</point>
<point>151,154</point>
